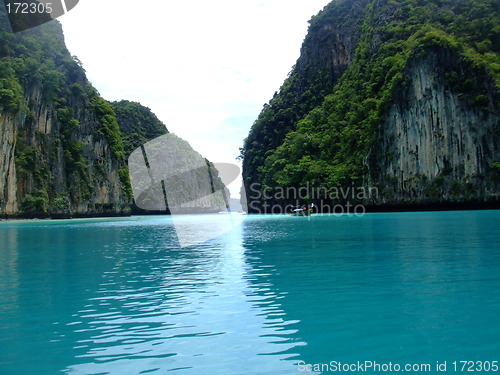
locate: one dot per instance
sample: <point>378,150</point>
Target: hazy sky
<point>205,68</point>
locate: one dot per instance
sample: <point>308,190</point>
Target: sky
<point>205,68</point>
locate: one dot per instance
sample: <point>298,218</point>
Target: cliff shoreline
<point>411,106</point>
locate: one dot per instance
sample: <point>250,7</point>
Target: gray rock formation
<point>434,146</point>
<point>43,173</point>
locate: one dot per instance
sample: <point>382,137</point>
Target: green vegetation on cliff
<point>327,142</point>
<point>64,147</point>
<point>38,73</point>
<point>68,149</point>
<point>137,123</point>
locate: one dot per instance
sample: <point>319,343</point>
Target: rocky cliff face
<point>55,165</point>
<point>328,50</point>
<point>61,150</point>
<point>330,44</point>
<point>402,98</point>
<point>434,146</point>
<point>8,181</point>
<point>64,149</point>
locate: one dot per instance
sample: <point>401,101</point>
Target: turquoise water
<point>275,295</point>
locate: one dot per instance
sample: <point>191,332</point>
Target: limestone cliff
<point>8,181</point>
<point>435,146</point>
<point>404,104</point>
<point>62,154</point>
<point>328,50</point>
<point>57,161</point>
<point>63,148</point>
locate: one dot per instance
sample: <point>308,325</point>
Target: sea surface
<point>274,295</point>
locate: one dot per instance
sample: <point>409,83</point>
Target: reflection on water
<point>119,296</point>
<point>192,230</point>
<point>183,309</point>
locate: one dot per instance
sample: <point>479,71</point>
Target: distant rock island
<point>401,98</point>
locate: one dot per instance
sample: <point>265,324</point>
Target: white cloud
<point>204,68</point>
